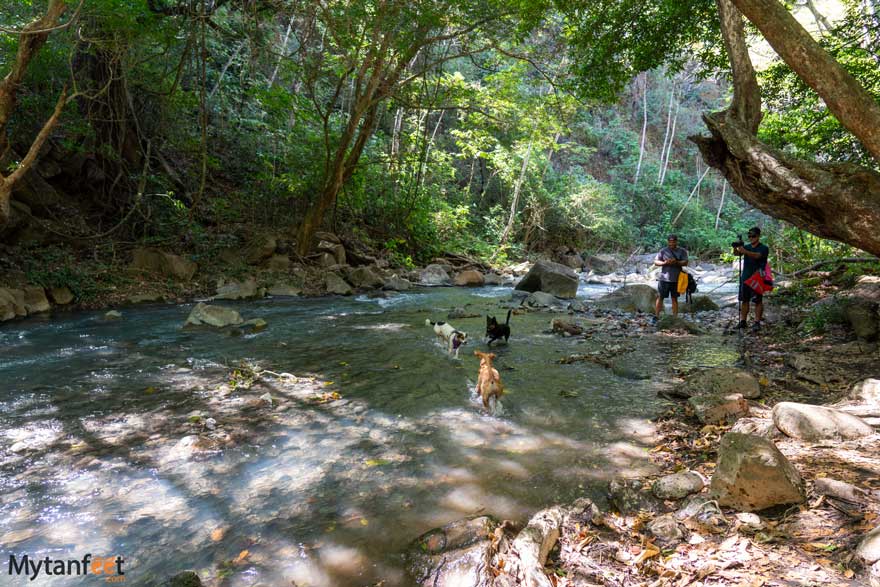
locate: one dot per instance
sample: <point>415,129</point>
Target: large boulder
<point>11,303</point>
<point>723,380</point>
<point>61,295</point>
<point>35,300</point>
<point>365,278</point>
<point>868,549</point>
<point>284,289</point>
<point>149,260</point>
<point>573,260</point>
<point>334,248</point>
<point>239,290</point>
<point>457,555</point>
<point>703,304</point>
<point>434,275</point>
<point>638,297</point>
<point>552,278</point>
<point>493,279</point>
<point>217,316</point>
<point>817,423</point>
<point>752,475</point>
<point>469,278</point>
<point>603,264</point>
<point>397,283</point>
<point>863,316</point>
<point>336,285</point>
<point>716,408</point>
<point>866,392</point>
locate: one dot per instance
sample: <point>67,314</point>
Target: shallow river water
<point>95,417</point>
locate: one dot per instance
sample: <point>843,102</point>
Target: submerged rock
<point>752,475</point>
<point>677,323</point>
<point>457,555</point>
<point>216,316</point>
<point>185,579</point>
<point>540,299</point>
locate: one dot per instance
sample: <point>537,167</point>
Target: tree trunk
<point>854,107</point>
<point>666,136</point>
<point>721,205</point>
<point>644,125</point>
<point>516,191</point>
<point>665,163</point>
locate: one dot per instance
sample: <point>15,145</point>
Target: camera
<point>739,242</point>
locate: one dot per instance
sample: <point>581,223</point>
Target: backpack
<point>686,284</point>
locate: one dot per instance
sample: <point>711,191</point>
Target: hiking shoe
<point>756,327</point>
<point>741,325</point>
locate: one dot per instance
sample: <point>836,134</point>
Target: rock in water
<point>552,278</point>
<point>630,298</point>
<point>185,579</point>
<point>217,316</point>
<point>434,275</point>
<point>457,555</point>
<point>753,475</point>
<point>469,278</point>
<point>365,278</point>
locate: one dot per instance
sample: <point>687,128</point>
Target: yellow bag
<point>682,286</point>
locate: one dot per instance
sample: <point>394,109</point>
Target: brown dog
<point>488,381</point>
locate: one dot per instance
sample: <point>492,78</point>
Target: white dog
<point>453,338</point>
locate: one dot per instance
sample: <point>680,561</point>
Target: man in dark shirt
<point>755,257</point>
<point>671,258</point>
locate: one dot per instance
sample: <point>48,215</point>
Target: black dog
<point>494,331</point>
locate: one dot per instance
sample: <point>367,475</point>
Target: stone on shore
<point>677,485</point>
<point>149,260</point>
<point>817,423</point>
<point>719,408</point>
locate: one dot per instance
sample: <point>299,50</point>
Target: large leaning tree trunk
<point>31,40</point>
<point>836,201</point>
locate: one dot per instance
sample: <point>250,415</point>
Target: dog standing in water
<point>494,331</point>
<point>451,336</point>
<point>488,380</point>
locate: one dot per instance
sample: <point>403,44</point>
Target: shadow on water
<point>104,446</point>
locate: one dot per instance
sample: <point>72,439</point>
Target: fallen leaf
<point>217,534</point>
<point>242,555</point>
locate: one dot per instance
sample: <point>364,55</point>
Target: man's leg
<point>674,306</point>
<point>759,310</point>
<point>658,305</point>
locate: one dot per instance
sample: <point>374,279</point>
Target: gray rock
<point>216,316</point>
<point>493,279</point>
<point>540,299</point>
<point>638,297</point>
<point>666,529</point>
<point>149,260</point>
<point>365,278</point>
<point>678,485</point>
<point>113,315</point>
<point>35,300</point>
<point>146,297</point>
<point>574,261</point>
<point>434,275</point>
<point>469,278</point>
<point>255,324</point>
<point>333,248</point>
<point>763,427</point>
<point>628,497</point>
<point>723,380</point>
<point>868,549</point>
<point>327,260</point>
<point>395,283</point>
<point>862,316</point>
<point>816,423</point>
<point>752,475</point>
<point>61,295</point>
<point>552,278</point>
<point>336,285</point>
<point>717,408</point>
<point>239,290</point>
<point>457,555</point>
<point>604,264</point>
<point>284,289</point>
<point>11,303</point>
<point>867,392</point>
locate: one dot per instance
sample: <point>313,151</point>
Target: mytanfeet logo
<point>108,567</point>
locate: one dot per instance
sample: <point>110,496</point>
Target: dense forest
<point>488,128</point>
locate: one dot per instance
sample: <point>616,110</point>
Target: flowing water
<point>98,420</point>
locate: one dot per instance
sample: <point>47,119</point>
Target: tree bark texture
<point>850,103</point>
